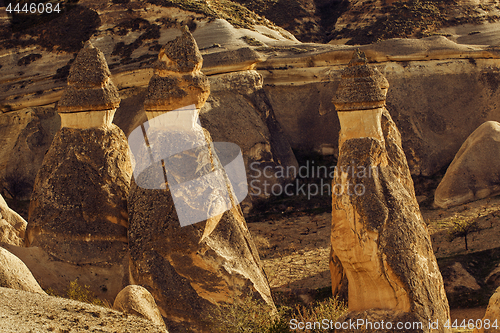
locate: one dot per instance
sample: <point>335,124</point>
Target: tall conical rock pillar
<point>78,210</point>
<point>189,243</point>
<point>378,234</point>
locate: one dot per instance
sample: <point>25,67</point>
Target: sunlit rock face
<point>378,234</point>
<point>189,243</point>
<point>78,212</point>
<point>473,173</point>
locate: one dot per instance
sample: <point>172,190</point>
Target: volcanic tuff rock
<point>473,174</point>
<point>137,300</point>
<point>492,315</point>
<point>24,311</point>
<point>378,233</point>
<point>14,274</point>
<point>78,212</point>
<point>188,267</point>
<point>12,225</point>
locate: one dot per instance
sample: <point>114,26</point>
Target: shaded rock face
<point>78,210</point>
<point>253,127</point>
<point>24,148</point>
<point>12,225</point>
<point>14,274</point>
<point>187,267</point>
<point>473,174</point>
<point>378,233</point>
<point>492,314</point>
<point>136,300</point>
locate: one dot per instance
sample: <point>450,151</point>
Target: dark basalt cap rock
<point>180,55</point>
<point>177,79</point>
<point>89,84</point>
<point>361,87</point>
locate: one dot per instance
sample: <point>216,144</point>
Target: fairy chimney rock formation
<point>91,98</point>
<point>379,239</point>
<point>189,243</point>
<point>78,209</point>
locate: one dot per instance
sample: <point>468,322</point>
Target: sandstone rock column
<point>378,233</point>
<point>189,244</point>
<point>78,212</point>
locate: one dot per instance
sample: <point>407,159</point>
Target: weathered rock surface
<point>188,267</point>
<point>137,300</point>
<point>492,315</point>
<point>78,210</point>
<point>23,311</point>
<point>473,174</point>
<point>378,233</point>
<point>14,274</point>
<point>12,225</point>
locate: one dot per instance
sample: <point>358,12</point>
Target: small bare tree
<point>462,228</point>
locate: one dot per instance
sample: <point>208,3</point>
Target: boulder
<point>189,243</point>
<point>24,311</point>
<point>14,274</point>
<point>473,174</point>
<point>137,300</point>
<point>12,225</point>
<point>378,233</point>
<point>490,321</point>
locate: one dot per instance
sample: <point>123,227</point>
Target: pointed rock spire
<point>89,84</point>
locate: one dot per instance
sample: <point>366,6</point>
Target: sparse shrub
<point>81,293</point>
<point>252,316</point>
<point>330,309</point>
